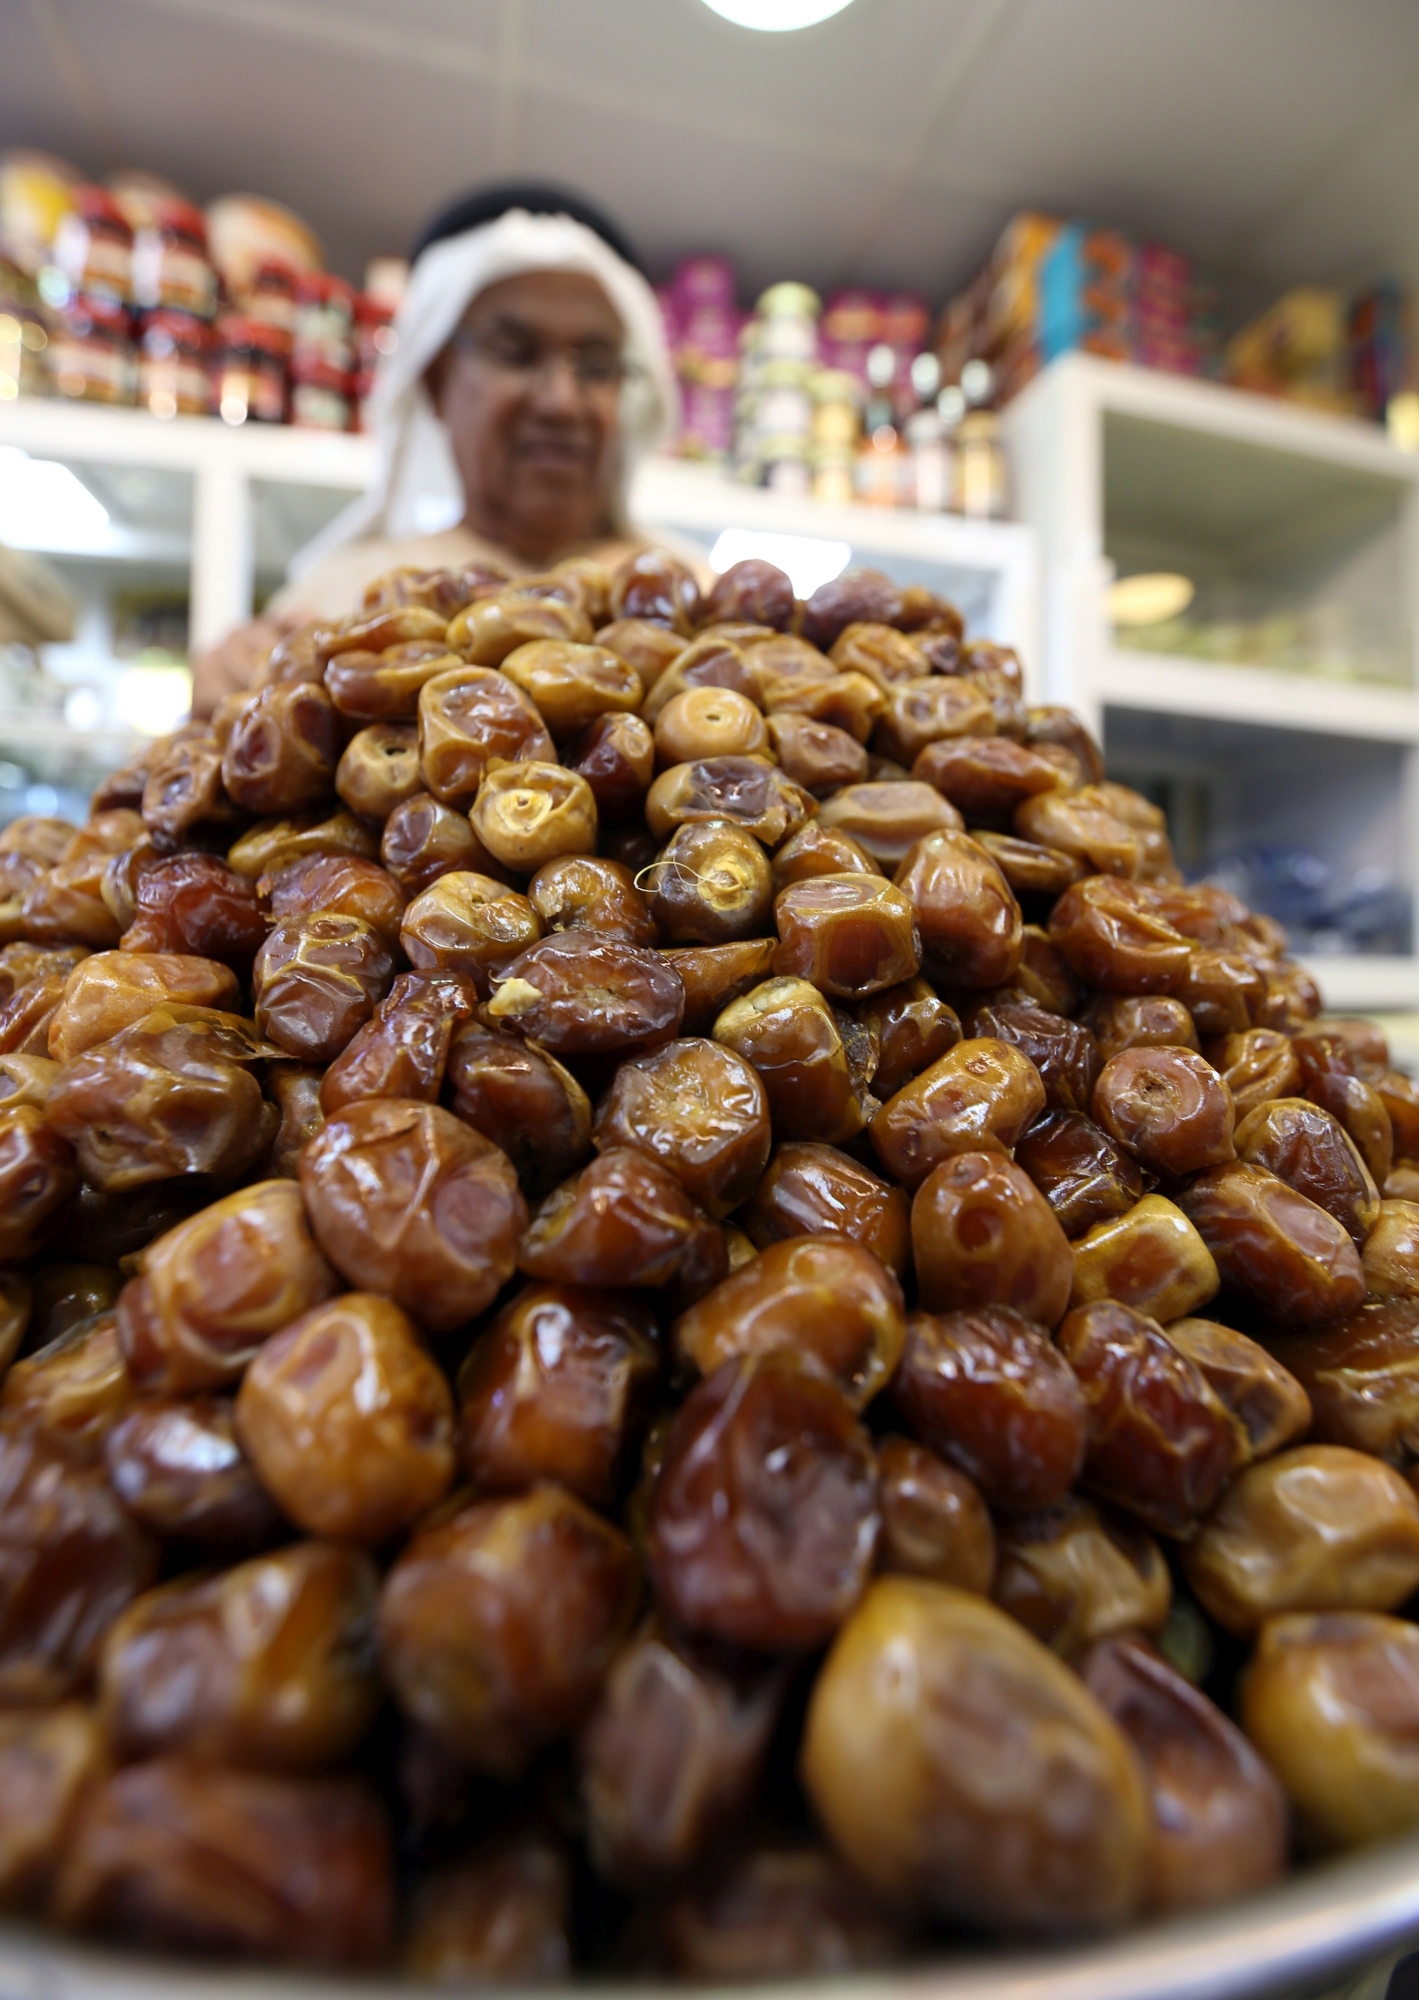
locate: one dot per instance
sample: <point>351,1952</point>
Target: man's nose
<point>557,390</point>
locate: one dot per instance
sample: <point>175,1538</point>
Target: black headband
<point>486,204</point>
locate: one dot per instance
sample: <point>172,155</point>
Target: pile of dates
<point>668,1305</point>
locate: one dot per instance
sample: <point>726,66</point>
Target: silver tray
<point>1311,1936</point>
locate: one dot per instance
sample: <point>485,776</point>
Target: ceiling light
<point>777,17</point>
<point>1150,598</point>
<point>807,560</point>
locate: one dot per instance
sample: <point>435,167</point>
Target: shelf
<point>90,433</point>
<point>1365,985</point>
<point>1163,684</point>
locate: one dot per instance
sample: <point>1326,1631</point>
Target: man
<point>529,372</point>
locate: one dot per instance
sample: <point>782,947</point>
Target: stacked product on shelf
<point>1055,287</point>
<point>841,400</point>
<point>128,293</point>
<point>1353,356</point>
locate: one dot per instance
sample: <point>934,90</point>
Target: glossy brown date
<point>501,1913</point>
<point>1329,1078</point>
<point>746,790</point>
<point>1266,1400</point>
<point>424,839</point>
<point>710,885</point>
<point>1316,1528</point>
<point>571,685</point>
<point>498,1622</point>
<point>283,749</point>
<point>763,1518</point>
<point>294,1091</point>
<point>576,995</point>
<point>469,925</point>
<point>849,935</point>
<point>1116,937</point>
<point>1140,1021</point>
<point>713,975</point>
<point>624,1220</point>
<point>672,1754</point>
<point>912,1026</point>
<point>1331,1700</point>
<point>403,1050</point>
<point>583,892</point>
<point>1275,1245</point>
<point>49,1759</point>
<point>810,1189</point>
<point>616,757</point>
<point>379,769</point>
<point>981,1095</point>
<point>234,1864</point>
<point>1313,1153</point>
<point>934,1520</point>
<point>1161,1442</point>
<point>209,1292</point>
<point>70,1392</point>
<point>887,817</point>
<point>698,1108</point>
<point>825,1299</point>
<point>969,921</point>
<point>1391,1252</point>
<point>176,1465</point>
<point>112,990</point>
<point>273,844</point>
<point>467,718</point>
<point>1219,1816</point>
<point>268,1665</point>
<point>779,1911</point>
<point>37,1175</point>
<point>993,1395</point>
<point>407,1200</point>
<point>195,904</point>
<point>559,1387</point>
<point>340,885</point>
<point>786,1030</point>
<point>317,980</point>
<point>984,1235</point>
<point>1168,1108</point>
<point>1077,1572</point>
<point>986,776</point>
<point>1257,1066</point>
<point>70,1557</point>
<point>820,756</point>
<point>524,1101</point>
<point>172,1095</point>
<point>1361,1373</point>
<point>931,1751</point>
<point>348,1422</point>
<point>1031,870</point>
<point>1082,1174</point>
<point>1063,1051</point>
<point>1150,1258</point>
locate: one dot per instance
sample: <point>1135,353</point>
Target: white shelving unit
<point>1301,534</point>
<point>213,514</point>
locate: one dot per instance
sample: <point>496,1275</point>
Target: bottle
<point>882,450</point>
<point>928,449</point>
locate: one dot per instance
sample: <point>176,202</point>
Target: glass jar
<point>93,247</point>
<point>174,371</point>
<point>90,353</point>
<point>252,362</point>
<point>171,268</point>
<point>320,395</point>
<point>24,336</point>
<point>325,319</point>
<point>271,301</point>
<point>982,487</point>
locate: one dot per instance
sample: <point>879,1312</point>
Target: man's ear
<point>436,377</point>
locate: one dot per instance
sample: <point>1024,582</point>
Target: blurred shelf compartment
<point>989,569</point>
<point>1286,689</point>
<point>1165,684</point>
<point>193,494</point>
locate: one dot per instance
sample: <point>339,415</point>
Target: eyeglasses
<point>510,349</point>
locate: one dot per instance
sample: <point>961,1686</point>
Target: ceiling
<point>1276,139</point>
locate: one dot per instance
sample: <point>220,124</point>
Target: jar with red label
<point>375,339</point>
<point>90,352</point>
<point>171,268</point>
<point>252,362</point>
<point>325,319</point>
<point>320,394</point>
<point>93,246</point>
<point>272,298</point>
<point>174,365</point>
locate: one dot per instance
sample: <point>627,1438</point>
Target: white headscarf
<point>416,485</point>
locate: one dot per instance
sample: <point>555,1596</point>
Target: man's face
<point>529,389</point>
